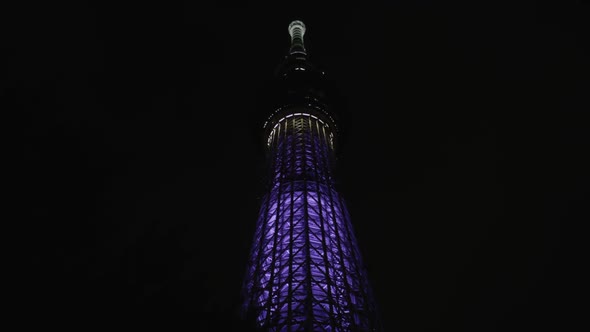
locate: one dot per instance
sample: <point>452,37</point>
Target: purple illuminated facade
<point>305,271</point>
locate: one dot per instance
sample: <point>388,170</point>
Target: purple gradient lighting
<point>305,271</point>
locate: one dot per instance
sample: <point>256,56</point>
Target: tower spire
<point>297,31</point>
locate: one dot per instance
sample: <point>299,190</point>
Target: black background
<point>463,163</point>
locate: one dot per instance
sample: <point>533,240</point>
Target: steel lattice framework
<point>305,271</point>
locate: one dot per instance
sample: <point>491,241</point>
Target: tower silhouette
<point>305,271</point>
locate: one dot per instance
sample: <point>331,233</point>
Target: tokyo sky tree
<point>305,271</point>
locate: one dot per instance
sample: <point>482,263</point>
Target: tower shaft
<point>305,271</point>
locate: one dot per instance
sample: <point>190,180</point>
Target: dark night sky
<point>140,176</point>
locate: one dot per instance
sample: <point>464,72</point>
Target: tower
<point>305,271</point>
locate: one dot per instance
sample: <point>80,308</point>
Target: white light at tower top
<point>297,31</point>
<point>296,27</point>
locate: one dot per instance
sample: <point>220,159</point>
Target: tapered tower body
<point>305,271</point>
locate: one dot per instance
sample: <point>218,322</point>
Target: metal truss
<point>305,271</point>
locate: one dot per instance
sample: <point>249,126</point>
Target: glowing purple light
<point>305,270</point>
